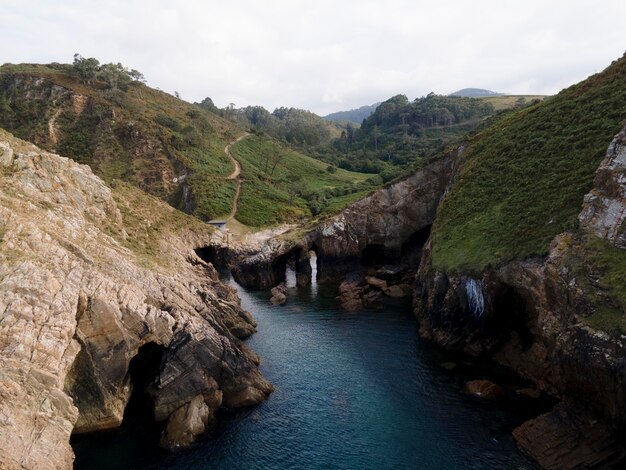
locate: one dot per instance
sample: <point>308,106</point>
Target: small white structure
<point>220,224</point>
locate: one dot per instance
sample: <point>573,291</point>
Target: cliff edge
<point>90,279</point>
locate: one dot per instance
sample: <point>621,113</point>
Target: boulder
<point>399,290</point>
<point>279,294</point>
<point>376,283</point>
<point>484,389</point>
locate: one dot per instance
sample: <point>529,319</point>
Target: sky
<point>324,55</point>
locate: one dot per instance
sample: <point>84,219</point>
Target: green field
<point>505,102</point>
<point>280,184</point>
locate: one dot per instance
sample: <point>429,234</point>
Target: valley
<point>446,278</point>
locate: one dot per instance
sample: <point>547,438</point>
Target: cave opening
<point>512,314</point>
<point>411,250</point>
<point>210,255</point>
<point>143,369</point>
<point>373,255</point>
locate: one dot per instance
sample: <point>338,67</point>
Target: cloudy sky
<point>324,55</point>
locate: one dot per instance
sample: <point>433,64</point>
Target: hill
<point>475,93</point>
<point>354,116</point>
<point>282,184</point>
<point>104,116</point>
<point>525,176</point>
<point>297,127</point>
<point>403,133</point>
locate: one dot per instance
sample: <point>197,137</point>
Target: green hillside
<point>525,176</point>
<point>103,115</point>
<point>281,184</point>
<point>400,134</point>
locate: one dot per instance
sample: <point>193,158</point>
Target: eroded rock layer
<point>82,293</point>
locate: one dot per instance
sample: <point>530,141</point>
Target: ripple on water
<point>353,391</point>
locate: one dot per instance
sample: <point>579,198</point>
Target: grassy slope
<point>525,176</point>
<point>265,196</point>
<point>141,135</point>
<point>501,103</point>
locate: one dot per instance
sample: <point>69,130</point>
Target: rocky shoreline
<point>529,315</point>
<point>81,298</point>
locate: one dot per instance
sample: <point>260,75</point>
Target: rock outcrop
<point>532,316</point>
<point>604,211</point>
<point>387,227</point>
<point>90,281</point>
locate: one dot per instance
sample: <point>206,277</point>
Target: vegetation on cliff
<point>106,117</point>
<point>283,184</point>
<point>524,177</point>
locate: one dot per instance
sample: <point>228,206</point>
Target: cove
<point>353,391</point>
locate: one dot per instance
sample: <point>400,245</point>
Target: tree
<point>116,76</point>
<point>86,68</point>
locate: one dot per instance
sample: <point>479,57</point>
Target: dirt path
<point>234,175</point>
<point>237,171</point>
<point>54,138</point>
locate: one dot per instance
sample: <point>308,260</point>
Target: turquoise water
<point>353,391</point>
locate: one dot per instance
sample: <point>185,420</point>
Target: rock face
<point>531,317</point>
<point>382,228</point>
<point>571,437</point>
<point>391,224</point>
<point>81,297</point>
<point>605,206</point>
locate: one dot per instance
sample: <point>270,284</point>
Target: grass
<point>525,176</point>
<point>142,135</point>
<point>147,220</point>
<point>272,195</point>
<point>501,103</point>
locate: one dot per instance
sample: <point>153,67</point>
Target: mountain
<point>355,116</point>
<point>104,116</point>
<point>475,93</point>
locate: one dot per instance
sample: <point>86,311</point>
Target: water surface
<point>353,391</point>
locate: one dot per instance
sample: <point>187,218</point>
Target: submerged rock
<point>484,389</point>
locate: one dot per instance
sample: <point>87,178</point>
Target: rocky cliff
<point>556,321</point>
<point>386,227</point>
<point>94,280</point>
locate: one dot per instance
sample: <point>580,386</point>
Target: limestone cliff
<point>90,278</point>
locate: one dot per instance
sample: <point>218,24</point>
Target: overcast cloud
<point>324,55</point>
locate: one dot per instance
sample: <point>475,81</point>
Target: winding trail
<point>54,138</point>
<point>234,175</point>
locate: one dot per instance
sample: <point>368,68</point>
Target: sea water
<point>353,391</point>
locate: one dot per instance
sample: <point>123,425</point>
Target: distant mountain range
<point>355,116</point>
<point>475,93</point>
